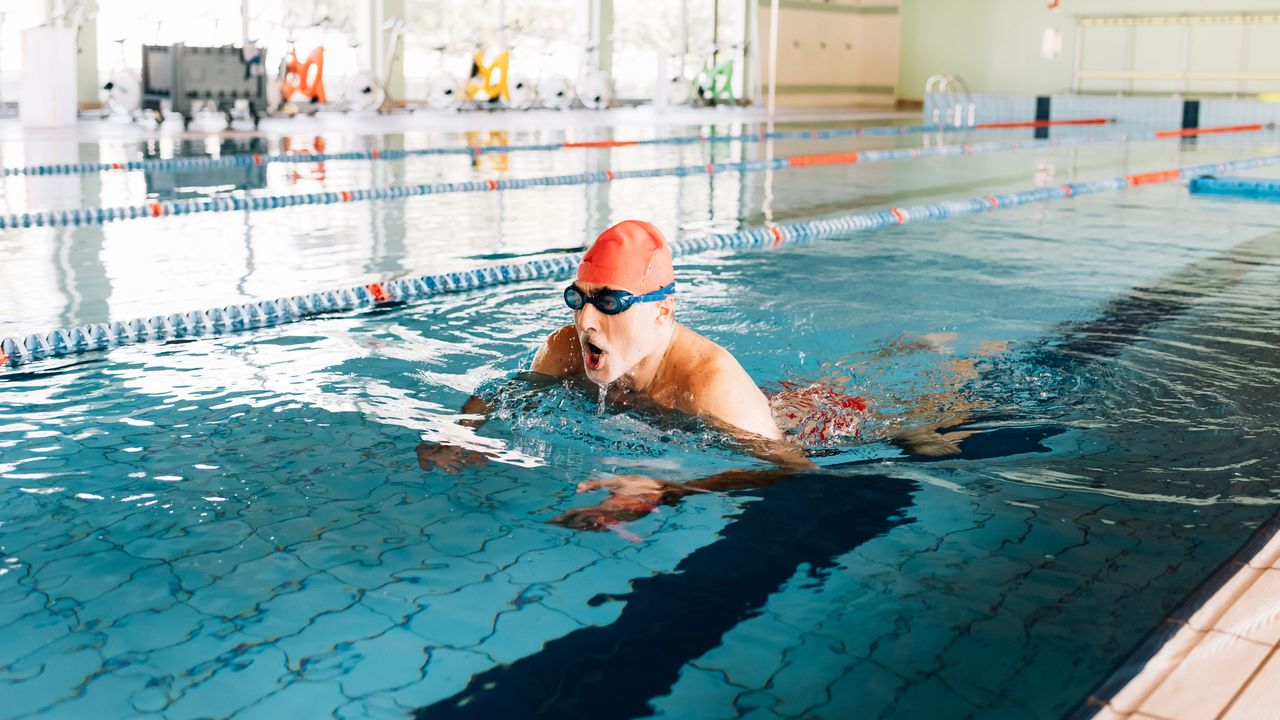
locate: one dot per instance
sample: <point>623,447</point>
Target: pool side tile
<point>1268,556</point>
<point>1261,696</point>
<point>1106,713</point>
<point>1156,671</point>
<point>1202,685</point>
<point>1255,615</point>
<point>1207,616</point>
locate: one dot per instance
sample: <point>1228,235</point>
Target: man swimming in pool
<point>625,339</point>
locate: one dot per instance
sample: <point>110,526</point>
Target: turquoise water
<point>240,527</point>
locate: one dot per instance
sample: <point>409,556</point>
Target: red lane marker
<point>376,154</point>
<point>378,292</point>
<point>346,195</point>
<point>156,210</point>
<point>116,166</point>
<point>777,235</point>
<point>1041,123</point>
<point>993,201</point>
<point>902,217</point>
<point>1209,130</point>
<point>257,159</point>
<point>1158,176</point>
<point>3,358</point>
<point>600,144</point>
<point>493,184</point>
<point>610,174</point>
<point>1066,189</point>
<point>711,169</point>
<point>848,158</point>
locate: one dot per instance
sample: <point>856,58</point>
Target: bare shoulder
<point>717,386</point>
<point>560,355</point>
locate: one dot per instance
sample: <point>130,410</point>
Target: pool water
<point>239,526</point>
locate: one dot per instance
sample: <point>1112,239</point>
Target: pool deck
<point>1223,658</point>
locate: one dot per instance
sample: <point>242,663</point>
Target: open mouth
<point>592,355</point>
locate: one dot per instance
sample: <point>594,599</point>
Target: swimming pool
<point>239,525</point>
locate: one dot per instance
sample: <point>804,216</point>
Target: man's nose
<point>589,317</point>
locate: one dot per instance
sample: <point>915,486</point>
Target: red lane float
<point>1040,123</point>
<point>600,144</point>
<point>1188,132</point>
<point>848,158</point>
<point>1158,176</point>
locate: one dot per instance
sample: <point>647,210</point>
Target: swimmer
<point>625,338</point>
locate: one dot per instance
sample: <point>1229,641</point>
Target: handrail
<point>946,98</point>
<point>1176,75</point>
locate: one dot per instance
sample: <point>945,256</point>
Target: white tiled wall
<point>1238,112</point>
<point>1158,113</point>
<point>1149,112</point>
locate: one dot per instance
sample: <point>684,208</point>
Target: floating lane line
<point>237,160</point>
<point>15,351</point>
<point>1039,123</point>
<point>260,203</point>
<point>1191,132</point>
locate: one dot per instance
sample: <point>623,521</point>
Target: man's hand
<point>449,458</point>
<point>638,485</point>
<point>615,510</point>
<point>631,497</point>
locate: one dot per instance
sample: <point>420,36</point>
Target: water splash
<point>600,404</point>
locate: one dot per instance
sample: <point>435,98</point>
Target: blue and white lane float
<point>245,160</point>
<point>259,203</point>
<point>265,313</point>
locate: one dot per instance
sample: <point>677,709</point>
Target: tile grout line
<point>1248,682</point>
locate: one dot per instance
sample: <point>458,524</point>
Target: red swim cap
<point>632,255</point>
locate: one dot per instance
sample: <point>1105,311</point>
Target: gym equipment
<point>186,78</point>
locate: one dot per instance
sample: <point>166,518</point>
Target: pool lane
<point>236,318</point>
<point>301,609</point>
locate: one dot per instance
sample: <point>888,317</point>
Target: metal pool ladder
<point>946,100</point>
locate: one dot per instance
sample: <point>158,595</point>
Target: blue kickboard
<point>1244,187</point>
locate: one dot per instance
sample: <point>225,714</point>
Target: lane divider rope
<point>1190,132</point>
<point>260,203</point>
<point>15,351</point>
<point>1039,123</point>
<point>244,160</point>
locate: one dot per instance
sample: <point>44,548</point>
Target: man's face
<point>613,344</point>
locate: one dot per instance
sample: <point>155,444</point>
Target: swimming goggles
<point>612,302</point>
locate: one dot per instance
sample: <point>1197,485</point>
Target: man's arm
<point>726,398</point>
<point>559,356</point>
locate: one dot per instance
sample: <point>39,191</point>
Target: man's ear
<point>666,310</point>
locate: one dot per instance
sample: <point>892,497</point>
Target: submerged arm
<point>558,357</point>
<point>631,497</point>
<point>723,395</point>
